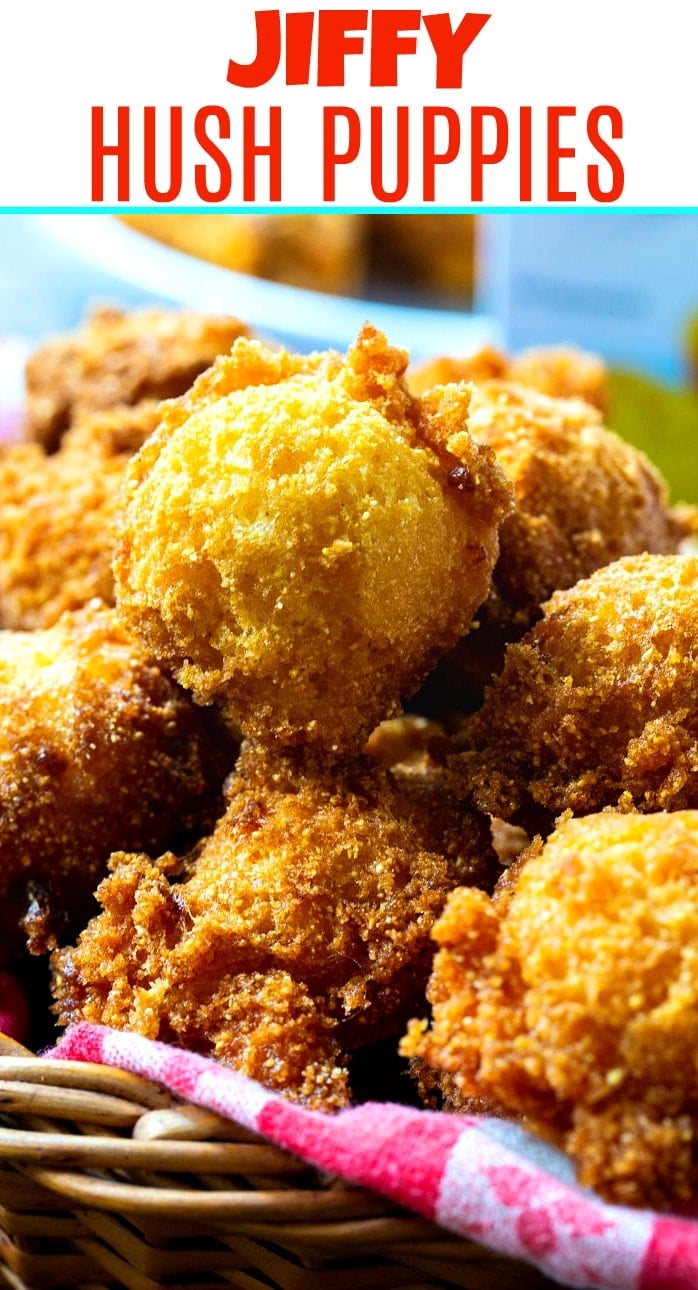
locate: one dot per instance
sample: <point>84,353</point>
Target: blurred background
<point>623,286</point>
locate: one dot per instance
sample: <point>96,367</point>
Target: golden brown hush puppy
<point>296,933</point>
<point>302,539</point>
<point>98,749</point>
<point>55,546</point>
<point>583,498</point>
<point>562,372</point>
<point>323,252</point>
<point>598,705</point>
<point>119,358</point>
<point>56,515</point>
<point>570,1000</point>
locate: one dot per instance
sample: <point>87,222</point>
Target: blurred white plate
<point>53,267</point>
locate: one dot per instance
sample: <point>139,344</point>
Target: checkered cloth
<point>480,1178</point>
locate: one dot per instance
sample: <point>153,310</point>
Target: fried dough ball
<point>561,372</point>
<point>435,252</point>
<point>598,705</point>
<point>298,931</point>
<point>111,432</point>
<point>487,364</point>
<point>583,498</point>
<point>570,1000</point>
<point>404,745</point>
<point>55,552</point>
<point>98,749</point>
<point>56,516</point>
<point>301,539</point>
<point>119,358</point>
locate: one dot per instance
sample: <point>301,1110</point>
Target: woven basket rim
<point>118,1168</point>
<point>104,1098</point>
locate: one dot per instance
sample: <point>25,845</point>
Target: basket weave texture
<point>106,1180</point>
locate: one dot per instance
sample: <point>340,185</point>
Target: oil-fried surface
<point>562,372</point>
<point>302,539</point>
<point>598,704</point>
<point>119,358</point>
<point>434,252</point>
<point>56,516</point>
<point>98,750</point>
<point>118,431</point>
<point>298,931</point>
<point>571,1000</point>
<point>583,498</point>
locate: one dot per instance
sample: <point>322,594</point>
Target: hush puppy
<point>570,1000</point>
<point>56,515</point>
<point>98,749</point>
<point>583,498</point>
<point>598,705</point>
<point>119,358</point>
<point>301,539</point>
<point>562,372</point>
<point>297,932</point>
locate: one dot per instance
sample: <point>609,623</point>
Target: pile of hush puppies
<point>225,569</point>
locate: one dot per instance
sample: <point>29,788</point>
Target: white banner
<point>227,104</point>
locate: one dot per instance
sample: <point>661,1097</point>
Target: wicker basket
<point>107,1180</point>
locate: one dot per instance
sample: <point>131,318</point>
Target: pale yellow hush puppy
<point>302,539</point>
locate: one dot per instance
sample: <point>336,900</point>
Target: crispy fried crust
<point>55,551</point>
<point>98,749</point>
<point>571,1000</point>
<point>302,539</point>
<point>561,372</point>
<point>119,358</point>
<point>583,498</point>
<point>437,252</point>
<point>118,431</point>
<point>598,705</point>
<point>297,931</point>
<point>57,512</point>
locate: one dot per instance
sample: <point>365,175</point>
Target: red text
<point>384,35</point>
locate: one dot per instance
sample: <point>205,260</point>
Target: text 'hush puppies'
<point>302,539</point>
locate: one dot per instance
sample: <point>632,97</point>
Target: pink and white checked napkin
<point>477,1177</point>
